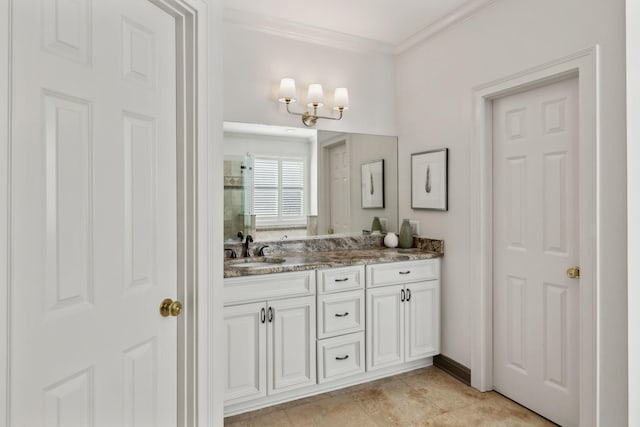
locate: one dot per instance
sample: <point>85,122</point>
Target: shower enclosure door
<point>238,197</point>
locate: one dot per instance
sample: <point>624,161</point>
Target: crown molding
<point>334,39</point>
<point>305,33</point>
<point>458,15</point>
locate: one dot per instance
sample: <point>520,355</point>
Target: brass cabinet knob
<point>573,272</point>
<point>169,307</point>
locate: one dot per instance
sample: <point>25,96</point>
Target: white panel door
<point>339,191</point>
<point>93,214</point>
<point>535,240</point>
<point>246,352</point>
<point>385,327</point>
<point>291,344</point>
<point>422,320</point>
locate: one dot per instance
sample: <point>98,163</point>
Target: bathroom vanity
<point>307,322</point>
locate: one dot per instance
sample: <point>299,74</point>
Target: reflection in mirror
<point>342,208</point>
<point>284,183</point>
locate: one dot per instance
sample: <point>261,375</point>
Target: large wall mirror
<point>284,182</point>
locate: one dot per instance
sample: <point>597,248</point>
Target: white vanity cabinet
<point>403,312</point>
<point>341,321</point>
<point>270,336</point>
<point>296,334</point>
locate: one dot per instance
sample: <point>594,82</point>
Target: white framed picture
<point>372,184</point>
<point>429,180</point>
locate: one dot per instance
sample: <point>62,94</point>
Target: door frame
<point>584,65</point>
<point>199,146</point>
<point>5,155</point>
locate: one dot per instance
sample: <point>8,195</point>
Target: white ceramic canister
<point>391,240</point>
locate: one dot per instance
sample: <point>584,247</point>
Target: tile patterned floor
<point>425,397</point>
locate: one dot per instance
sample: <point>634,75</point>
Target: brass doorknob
<point>573,272</point>
<point>170,307</point>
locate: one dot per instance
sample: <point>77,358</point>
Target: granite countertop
<point>311,260</point>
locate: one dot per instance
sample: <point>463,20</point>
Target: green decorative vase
<point>376,227</point>
<point>406,236</point>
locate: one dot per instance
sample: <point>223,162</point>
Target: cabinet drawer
<point>240,290</point>
<point>340,279</point>
<point>340,357</point>
<point>402,272</point>
<point>340,313</point>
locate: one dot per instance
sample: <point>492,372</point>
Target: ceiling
<point>383,21</point>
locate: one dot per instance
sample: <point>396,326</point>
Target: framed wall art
<point>372,184</point>
<point>429,177</point>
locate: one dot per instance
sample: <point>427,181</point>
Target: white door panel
<point>535,241</point>
<point>422,320</point>
<point>340,199</point>
<point>385,327</point>
<point>291,344</point>
<point>246,352</point>
<point>94,214</point>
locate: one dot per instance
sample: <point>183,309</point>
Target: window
<point>279,191</point>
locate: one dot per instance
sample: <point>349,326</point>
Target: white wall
<point>255,62</point>
<point>434,98</point>
<point>633,204</point>
<point>240,144</point>
<point>364,148</point>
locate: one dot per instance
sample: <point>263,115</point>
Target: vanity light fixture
<point>315,99</point>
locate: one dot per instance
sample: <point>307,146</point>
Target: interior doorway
<point>583,66</point>
<point>71,103</point>
<point>535,248</point>
<point>339,186</point>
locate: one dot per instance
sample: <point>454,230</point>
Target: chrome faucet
<point>249,239</point>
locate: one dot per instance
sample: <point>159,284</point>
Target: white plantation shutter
<point>279,191</point>
<point>265,188</point>
<point>292,188</point>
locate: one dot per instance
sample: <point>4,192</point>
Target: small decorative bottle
<point>406,235</point>
<point>376,227</point>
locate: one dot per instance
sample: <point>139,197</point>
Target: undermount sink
<point>255,262</point>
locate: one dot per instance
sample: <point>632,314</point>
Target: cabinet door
<point>246,352</point>
<point>385,327</point>
<point>422,320</point>
<point>291,343</point>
